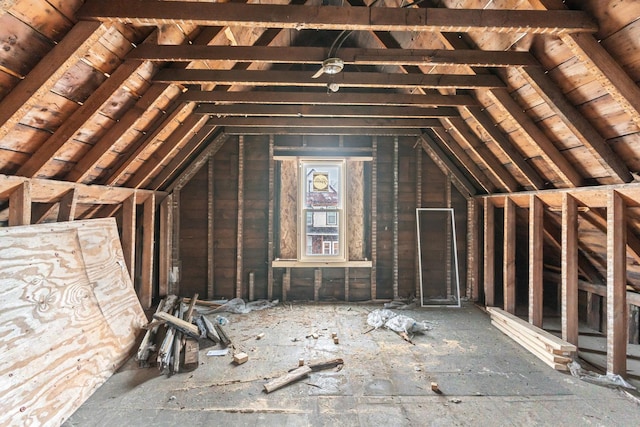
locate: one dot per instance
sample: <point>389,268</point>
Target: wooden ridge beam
<point>350,56</point>
<point>46,152</point>
<point>298,17</point>
<point>343,79</point>
<point>348,122</point>
<point>578,124</point>
<point>324,98</point>
<point>381,111</point>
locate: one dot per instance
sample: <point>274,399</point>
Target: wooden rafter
<point>446,165</point>
<point>70,126</point>
<point>345,79</point>
<point>578,124</point>
<point>315,55</point>
<point>454,148</point>
<point>46,73</point>
<point>147,12</point>
<point>501,174</point>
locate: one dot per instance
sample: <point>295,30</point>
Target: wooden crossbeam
<point>52,191</point>
<point>243,110</point>
<point>241,130</point>
<point>315,55</point>
<point>344,79</point>
<point>323,98</point>
<point>298,17</point>
<point>327,122</point>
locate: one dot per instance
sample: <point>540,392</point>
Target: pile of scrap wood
<point>552,350</point>
<point>177,331</point>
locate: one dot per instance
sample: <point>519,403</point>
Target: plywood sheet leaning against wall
<point>69,317</point>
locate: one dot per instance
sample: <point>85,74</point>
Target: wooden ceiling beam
<point>578,124</point>
<point>239,130</point>
<point>142,145</point>
<point>502,142</point>
<point>350,56</point>
<point>47,151</point>
<point>145,12</point>
<point>454,148</point>
<point>323,98</point>
<point>371,122</point>
<point>52,191</point>
<point>362,111</point>
<point>492,163</point>
<point>344,79</point>
<point>188,129</point>
<point>42,78</point>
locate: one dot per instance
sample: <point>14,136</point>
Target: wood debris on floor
<point>552,350</point>
<point>177,346</point>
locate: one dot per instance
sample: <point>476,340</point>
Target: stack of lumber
<point>552,350</point>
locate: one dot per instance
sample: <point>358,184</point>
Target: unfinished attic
<point>469,164</point>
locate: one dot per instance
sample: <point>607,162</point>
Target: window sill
<point>292,263</point>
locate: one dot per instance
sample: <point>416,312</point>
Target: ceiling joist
<point>381,111</point>
<point>145,12</point>
<point>372,122</point>
<point>345,79</point>
<point>322,98</point>
<point>315,55</point>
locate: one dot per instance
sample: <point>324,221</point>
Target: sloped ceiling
<point>520,94</point>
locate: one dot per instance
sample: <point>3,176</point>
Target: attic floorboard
<point>483,375</point>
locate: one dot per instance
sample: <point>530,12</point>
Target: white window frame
<point>339,255</point>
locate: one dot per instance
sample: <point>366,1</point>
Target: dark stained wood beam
<point>324,111</point>
<point>299,17</point>
<point>239,130</point>
<point>578,124</point>
<point>315,55</point>
<point>326,122</point>
<point>344,79</point>
<point>323,98</point>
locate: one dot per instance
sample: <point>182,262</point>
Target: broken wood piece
<point>201,326</point>
<point>191,352</point>
<point>189,314</point>
<point>179,324</point>
<point>212,333</point>
<point>336,340</point>
<point>260,336</point>
<point>300,362</point>
<point>286,379</point>
<point>319,366</point>
<point>435,388</point>
<point>202,303</point>
<point>240,358</point>
<point>147,345</point>
<point>224,338</point>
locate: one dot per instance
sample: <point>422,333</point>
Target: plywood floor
<point>484,376</point>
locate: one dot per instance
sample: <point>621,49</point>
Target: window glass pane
<point>322,185</point>
<point>323,233</point>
